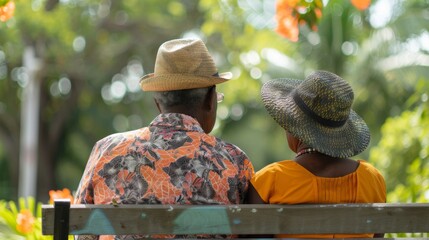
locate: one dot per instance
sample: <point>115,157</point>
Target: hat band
<point>325,122</point>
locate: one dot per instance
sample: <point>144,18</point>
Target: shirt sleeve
<point>246,174</point>
<point>85,191</point>
<point>382,184</point>
<point>245,169</point>
<point>373,186</point>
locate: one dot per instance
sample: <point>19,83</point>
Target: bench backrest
<point>62,219</point>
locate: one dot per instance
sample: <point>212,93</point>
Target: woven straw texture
<point>182,64</point>
<point>330,98</point>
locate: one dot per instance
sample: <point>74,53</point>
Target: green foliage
<point>9,214</point>
<point>3,2</point>
<point>403,151</point>
<point>90,44</point>
<point>398,148</point>
<point>308,11</point>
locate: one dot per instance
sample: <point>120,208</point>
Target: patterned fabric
<point>170,162</point>
<point>287,182</point>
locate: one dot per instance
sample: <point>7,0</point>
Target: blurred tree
<point>93,54</point>
<point>403,151</point>
<point>371,52</point>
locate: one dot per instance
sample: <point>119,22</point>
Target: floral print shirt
<point>172,161</point>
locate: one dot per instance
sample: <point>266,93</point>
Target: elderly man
<point>173,160</point>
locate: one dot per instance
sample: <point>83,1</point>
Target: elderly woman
<point>324,132</point>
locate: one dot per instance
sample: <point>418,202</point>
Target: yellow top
<point>287,182</point>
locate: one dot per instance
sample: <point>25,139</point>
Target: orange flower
<point>284,8</point>
<point>6,11</point>
<point>361,4</point>
<point>287,25</point>
<point>318,13</point>
<point>60,194</point>
<point>25,221</point>
<point>286,3</point>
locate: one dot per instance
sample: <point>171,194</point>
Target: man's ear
<point>157,105</point>
<point>209,103</point>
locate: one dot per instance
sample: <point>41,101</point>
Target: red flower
<point>361,4</point>
<point>6,11</point>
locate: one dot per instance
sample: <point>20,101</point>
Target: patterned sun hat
<point>318,111</point>
<point>183,64</point>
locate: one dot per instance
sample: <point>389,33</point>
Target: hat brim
<point>171,82</point>
<point>348,140</point>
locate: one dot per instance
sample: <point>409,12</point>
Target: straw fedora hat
<point>183,64</point>
<point>318,111</point>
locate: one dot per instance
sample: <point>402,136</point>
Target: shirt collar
<point>177,121</point>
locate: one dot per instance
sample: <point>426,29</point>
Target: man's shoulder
<point>122,136</point>
<point>229,146</point>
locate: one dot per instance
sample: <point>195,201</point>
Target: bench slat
<point>242,219</point>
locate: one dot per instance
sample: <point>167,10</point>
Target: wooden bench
<point>61,219</point>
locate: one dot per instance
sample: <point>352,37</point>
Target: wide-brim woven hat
<point>318,111</point>
<point>183,64</point>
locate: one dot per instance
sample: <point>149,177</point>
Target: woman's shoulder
<point>368,169</point>
<point>280,166</point>
<point>367,166</point>
<point>373,185</point>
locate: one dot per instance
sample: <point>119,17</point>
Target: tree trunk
<point>30,109</point>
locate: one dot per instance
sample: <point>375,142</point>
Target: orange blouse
<point>287,182</point>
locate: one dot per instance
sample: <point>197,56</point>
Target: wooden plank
<point>243,219</point>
